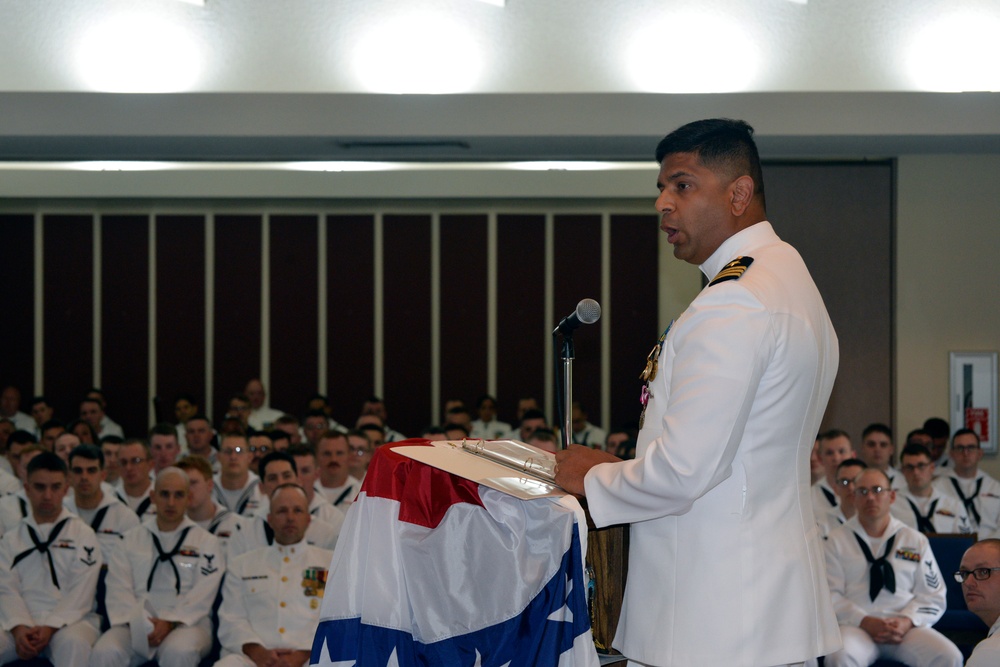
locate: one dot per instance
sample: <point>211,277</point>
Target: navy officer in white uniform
<point>725,563</point>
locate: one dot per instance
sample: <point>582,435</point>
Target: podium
<point>432,568</point>
<point>607,555</point>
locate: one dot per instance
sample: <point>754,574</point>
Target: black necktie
<point>42,548</point>
<point>970,506</point>
<point>164,557</point>
<point>143,506</point>
<point>829,496</point>
<point>924,523</point>
<point>880,574</point>
<point>99,518</point>
<point>268,533</point>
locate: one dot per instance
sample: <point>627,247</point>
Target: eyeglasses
<point>910,467</point>
<point>263,449</point>
<point>980,573</point>
<point>876,491</point>
<point>845,482</point>
<point>965,448</point>
<point>133,461</point>
<point>360,451</point>
<point>233,450</point>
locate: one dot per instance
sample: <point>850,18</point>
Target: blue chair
<point>958,623</point>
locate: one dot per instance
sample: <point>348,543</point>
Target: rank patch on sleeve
<point>732,271</point>
<point>905,553</point>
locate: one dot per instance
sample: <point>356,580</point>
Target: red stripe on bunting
<point>425,494</point>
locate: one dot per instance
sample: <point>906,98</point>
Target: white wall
<point>948,244</point>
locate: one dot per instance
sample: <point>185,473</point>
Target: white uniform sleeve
<point>929,592</point>
<point>196,603</point>
<point>848,613</point>
<point>79,585</point>
<point>722,347</point>
<point>120,596</point>
<point>13,610</point>
<point>235,629</point>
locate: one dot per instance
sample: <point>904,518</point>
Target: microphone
<point>587,311</point>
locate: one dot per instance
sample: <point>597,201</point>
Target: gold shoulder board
<point>732,271</point>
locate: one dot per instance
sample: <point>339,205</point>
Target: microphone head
<point>588,311</point>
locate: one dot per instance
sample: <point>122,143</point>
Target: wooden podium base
<point>607,554</point>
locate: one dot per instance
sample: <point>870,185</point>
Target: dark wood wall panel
<point>407,320</point>
<point>17,333</point>
<point>180,306</point>
<point>125,320</point>
<point>350,313</point>
<point>68,313</point>
<point>839,217</point>
<point>464,287</point>
<point>521,325</point>
<point>577,259</point>
<point>634,309</point>
<point>294,310</point>
<point>237,306</point>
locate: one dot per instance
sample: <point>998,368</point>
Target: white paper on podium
<point>448,455</point>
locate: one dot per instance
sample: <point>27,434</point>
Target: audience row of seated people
<point>114,553</point>
<point>101,573</point>
<point>885,584</point>
<point>114,550</point>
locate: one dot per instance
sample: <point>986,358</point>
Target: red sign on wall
<point>978,420</point>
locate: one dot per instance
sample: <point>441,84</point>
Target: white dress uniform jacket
<point>200,565</point>
<point>984,493</point>
<point>726,562</point>
<point>920,589</point>
<point>28,594</point>
<point>13,508</point>
<point>272,597</point>
<point>340,497</point>
<point>246,503</point>
<point>946,513</point>
<point>825,503</point>
<point>256,533</point>
<point>987,652</point>
<point>223,525</point>
<point>319,507</point>
<point>9,483</point>
<point>493,430</point>
<point>110,521</point>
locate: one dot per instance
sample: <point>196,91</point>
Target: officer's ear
<point>741,194</point>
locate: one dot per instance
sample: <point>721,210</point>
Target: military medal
<point>648,374</point>
<point>314,582</point>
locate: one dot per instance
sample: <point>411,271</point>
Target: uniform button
<point>281,630</point>
<point>282,604</point>
<point>284,578</point>
<point>286,559</point>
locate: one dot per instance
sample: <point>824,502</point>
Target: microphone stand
<point>567,355</point>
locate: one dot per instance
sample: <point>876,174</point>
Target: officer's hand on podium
<point>572,465</point>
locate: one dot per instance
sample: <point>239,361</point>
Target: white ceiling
<point>534,79</point>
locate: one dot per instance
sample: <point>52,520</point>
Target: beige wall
<point>948,246</point>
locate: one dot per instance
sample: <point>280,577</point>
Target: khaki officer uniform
<point>272,597</point>
<point>180,589</point>
<point>55,587</point>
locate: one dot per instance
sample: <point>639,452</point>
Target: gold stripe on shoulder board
<point>733,270</point>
